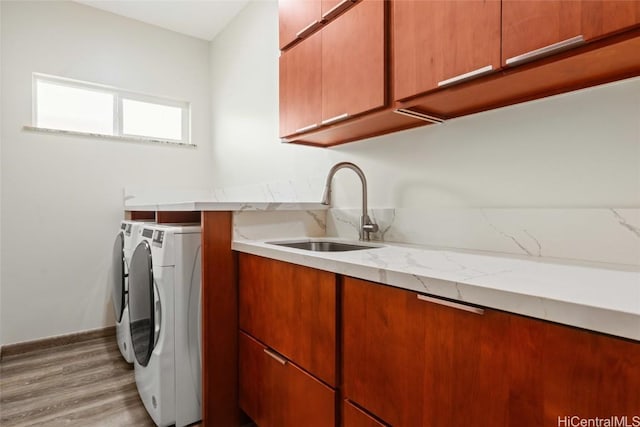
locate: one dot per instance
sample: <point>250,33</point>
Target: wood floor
<point>84,383</point>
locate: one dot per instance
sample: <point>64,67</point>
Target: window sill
<point>102,136</point>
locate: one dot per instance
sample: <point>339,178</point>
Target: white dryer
<point>125,242</point>
<point>164,308</point>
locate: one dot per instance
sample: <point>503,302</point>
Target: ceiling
<point>197,18</point>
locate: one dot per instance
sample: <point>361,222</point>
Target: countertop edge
<point>224,206</point>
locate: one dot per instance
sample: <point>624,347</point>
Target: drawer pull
<point>281,360</point>
<point>451,304</point>
<point>307,30</point>
<point>417,115</point>
<point>466,76</point>
<point>336,9</point>
<point>335,119</point>
<point>306,128</point>
<point>545,51</point>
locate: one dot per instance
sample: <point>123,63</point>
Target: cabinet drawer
<point>352,416</point>
<point>276,393</point>
<point>292,309</point>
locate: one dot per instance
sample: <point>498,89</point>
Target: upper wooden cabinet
<point>436,43</point>
<point>353,62</point>
<point>298,18</point>
<point>301,86</point>
<point>336,73</point>
<point>548,47</point>
<point>532,29</point>
<point>434,60</point>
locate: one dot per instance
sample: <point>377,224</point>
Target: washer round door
<point>141,303</point>
<point>118,291</point>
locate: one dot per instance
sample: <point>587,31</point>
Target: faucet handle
<point>370,227</point>
<point>367,228</point>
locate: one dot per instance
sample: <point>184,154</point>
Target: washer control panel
<point>158,238</point>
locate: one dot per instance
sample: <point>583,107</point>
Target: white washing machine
<point>164,309</point>
<point>125,242</point>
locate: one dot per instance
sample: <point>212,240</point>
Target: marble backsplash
<point>264,225</point>
<point>610,235</point>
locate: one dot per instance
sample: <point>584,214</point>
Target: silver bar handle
<point>306,30</point>
<point>417,115</point>
<point>335,119</point>
<point>466,76</point>
<point>451,304</point>
<point>306,128</point>
<point>336,9</point>
<point>545,51</point>
<point>281,360</point>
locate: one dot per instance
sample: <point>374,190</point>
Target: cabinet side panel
<point>219,323</point>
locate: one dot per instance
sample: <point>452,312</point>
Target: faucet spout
<point>366,225</point>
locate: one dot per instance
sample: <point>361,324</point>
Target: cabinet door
<point>439,42</point>
<point>292,309</point>
<point>544,27</point>
<point>297,18</point>
<point>353,62</point>
<point>416,363</point>
<point>558,371</point>
<point>353,416</point>
<point>276,393</point>
<point>301,86</point>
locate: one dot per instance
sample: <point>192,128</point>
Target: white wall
<point>62,195</point>
<point>575,150</point>
<point>1,68</point>
<point>244,79</point>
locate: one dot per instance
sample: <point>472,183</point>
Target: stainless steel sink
<point>323,246</point>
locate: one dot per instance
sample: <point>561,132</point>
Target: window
<point>70,105</point>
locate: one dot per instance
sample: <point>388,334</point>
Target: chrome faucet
<point>366,226</point>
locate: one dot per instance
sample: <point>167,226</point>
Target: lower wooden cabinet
<point>276,393</point>
<point>557,371</point>
<point>416,363</point>
<point>292,309</point>
<point>410,360</point>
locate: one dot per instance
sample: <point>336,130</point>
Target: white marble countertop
<point>599,297</point>
<point>215,205</point>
